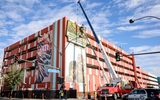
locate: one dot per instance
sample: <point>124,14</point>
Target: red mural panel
<point>41,85</point>
<point>64,40</point>
<point>43,56</point>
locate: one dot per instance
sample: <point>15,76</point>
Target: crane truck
<point>113,88</point>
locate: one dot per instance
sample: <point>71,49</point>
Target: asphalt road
<point>5,98</point>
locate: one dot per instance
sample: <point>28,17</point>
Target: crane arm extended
<point>115,78</point>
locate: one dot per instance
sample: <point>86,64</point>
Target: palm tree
<point>13,77</point>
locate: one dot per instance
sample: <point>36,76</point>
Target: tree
<point>14,76</point>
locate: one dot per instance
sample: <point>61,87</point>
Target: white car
<point>143,94</point>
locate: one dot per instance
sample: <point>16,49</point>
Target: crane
<point>111,89</point>
<point>115,79</point>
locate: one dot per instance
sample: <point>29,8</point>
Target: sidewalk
<point>5,98</point>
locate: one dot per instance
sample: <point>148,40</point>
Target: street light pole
<point>133,20</point>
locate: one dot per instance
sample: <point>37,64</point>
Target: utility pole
<point>135,72</point>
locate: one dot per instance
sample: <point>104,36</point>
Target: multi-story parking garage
<point>61,45</point>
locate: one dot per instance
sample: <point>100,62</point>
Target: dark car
<point>143,94</point>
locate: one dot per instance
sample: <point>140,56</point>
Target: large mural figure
<point>43,57</point>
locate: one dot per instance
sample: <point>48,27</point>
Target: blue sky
<point>20,18</point>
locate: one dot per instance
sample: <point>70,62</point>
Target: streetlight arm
<point>133,20</point>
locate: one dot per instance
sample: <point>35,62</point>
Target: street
<point>5,98</point>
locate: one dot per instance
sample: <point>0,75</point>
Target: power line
<point>145,53</point>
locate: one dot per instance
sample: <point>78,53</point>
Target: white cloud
<point>154,70</point>
<point>93,5</point>
<point>100,23</point>
<point>1,23</point>
<point>147,10</point>
<point>28,3</point>
<point>141,8</point>
<point>129,4</point>
<point>2,14</point>
<point>152,10</point>
<point>32,27</point>
<point>134,3</point>
<point>14,15</point>
<point>3,32</point>
<point>16,9</point>
<point>72,13</point>
<point>149,63</point>
<point>139,49</point>
<point>148,34</point>
<point>48,18</point>
<point>118,44</point>
<point>131,28</point>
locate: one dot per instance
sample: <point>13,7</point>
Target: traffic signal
<point>117,57</point>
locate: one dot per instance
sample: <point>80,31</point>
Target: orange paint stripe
<point>64,40</point>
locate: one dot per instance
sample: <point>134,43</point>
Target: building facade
<point>158,78</point>
<point>63,46</point>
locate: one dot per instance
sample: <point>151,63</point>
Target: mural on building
<point>72,68</point>
<point>43,57</point>
<point>80,68</point>
<point>76,65</point>
<point>72,45</point>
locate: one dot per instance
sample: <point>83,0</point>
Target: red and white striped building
<point>68,51</point>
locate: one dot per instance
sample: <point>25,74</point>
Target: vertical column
<point>64,40</point>
<point>135,72</point>
<point>54,53</point>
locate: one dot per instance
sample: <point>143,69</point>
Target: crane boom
<point>115,78</point>
<point>98,60</point>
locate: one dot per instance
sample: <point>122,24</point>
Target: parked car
<point>143,94</point>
